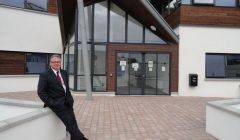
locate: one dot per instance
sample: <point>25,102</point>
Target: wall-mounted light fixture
<point>153,28</point>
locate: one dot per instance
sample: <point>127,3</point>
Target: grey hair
<point>55,55</point>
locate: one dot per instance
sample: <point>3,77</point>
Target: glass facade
<point>99,59</point>
<point>142,73</point>
<point>152,38</point>
<point>117,24</point>
<point>135,31</point>
<point>110,24</point>
<point>100,22</point>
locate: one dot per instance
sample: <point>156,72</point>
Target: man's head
<point>55,62</point>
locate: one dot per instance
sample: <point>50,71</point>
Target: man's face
<point>55,63</point>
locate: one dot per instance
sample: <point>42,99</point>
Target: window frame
<point>225,66</point>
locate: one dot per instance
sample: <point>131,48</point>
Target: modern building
<point>145,47</point>
<point>29,34</point>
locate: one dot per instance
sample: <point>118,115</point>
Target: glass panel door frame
<point>159,81</point>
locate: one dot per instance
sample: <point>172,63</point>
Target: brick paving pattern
<point>137,117</point>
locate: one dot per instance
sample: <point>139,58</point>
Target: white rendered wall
<point>16,83</point>
<point>28,31</point>
<point>222,121</point>
<point>48,127</point>
<point>195,42</point>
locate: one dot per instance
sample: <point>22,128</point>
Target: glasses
<point>55,61</point>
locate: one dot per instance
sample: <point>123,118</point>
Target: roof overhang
<point>142,10</point>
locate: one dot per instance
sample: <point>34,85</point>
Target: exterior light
<point>153,28</point>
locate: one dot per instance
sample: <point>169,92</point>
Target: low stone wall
<point>27,120</point>
<point>223,119</point>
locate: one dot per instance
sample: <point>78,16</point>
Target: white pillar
<point>82,31</point>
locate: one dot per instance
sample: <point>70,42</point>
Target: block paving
<point>137,117</point>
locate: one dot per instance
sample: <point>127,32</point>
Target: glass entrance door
<point>142,73</point>
<point>136,74</point>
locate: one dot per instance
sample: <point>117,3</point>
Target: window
<point>117,24</point>
<point>152,38</point>
<point>222,65</point>
<point>99,83</point>
<point>186,1</point>
<point>80,63</point>
<point>14,3</point>
<point>71,60</point>
<point>39,5</point>
<point>211,2</point>
<point>99,59</point>
<point>100,22</point>
<point>233,66</point>
<point>230,3</point>
<point>36,63</point>
<point>215,66</point>
<point>135,31</point>
<point>227,3</point>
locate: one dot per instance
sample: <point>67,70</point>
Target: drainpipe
<point>82,31</point>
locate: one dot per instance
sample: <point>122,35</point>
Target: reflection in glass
<point>80,64</point>
<point>100,22</point>
<point>163,74</point>
<point>81,83</point>
<point>136,79</point>
<point>122,74</point>
<point>99,59</point>
<point>135,31</point>
<point>99,83</point>
<point>230,3</point>
<point>215,65</point>
<point>152,38</point>
<point>117,24</point>
<point>65,63</point>
<point>186,1</point>
<point>71,60</point>
<point>233,66</point>
<point>71,81</point>
<point>150,74</point>
<point>39,5</point>
<point>36,63</point>
<point>14,3</point>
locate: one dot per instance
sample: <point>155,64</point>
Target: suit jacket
<point>52,93</point>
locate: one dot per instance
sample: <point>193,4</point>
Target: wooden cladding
<point>111,61</point>
<point>205,15</point>
<point>52,6</point>
<point>174,19</point>
<point>12,63</point>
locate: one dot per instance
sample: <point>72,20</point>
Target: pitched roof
<point>141,10</point>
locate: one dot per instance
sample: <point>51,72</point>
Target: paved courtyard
<point>137,117</point>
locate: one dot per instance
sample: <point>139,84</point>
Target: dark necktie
<point>59,78</point>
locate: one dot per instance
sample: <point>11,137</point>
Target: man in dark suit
<point>53,90</point>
